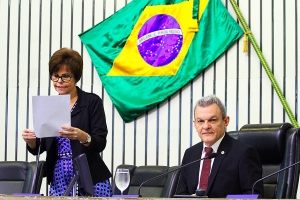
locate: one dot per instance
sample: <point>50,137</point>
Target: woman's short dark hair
<point>209,100</point>
<point>69,57</point>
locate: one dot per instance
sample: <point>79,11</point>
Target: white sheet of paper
<point>49,114</point>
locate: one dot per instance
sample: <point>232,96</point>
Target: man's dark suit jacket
<point>235,169</point>
<point>88,115</point>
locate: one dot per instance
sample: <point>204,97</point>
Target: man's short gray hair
<point>209,100</point>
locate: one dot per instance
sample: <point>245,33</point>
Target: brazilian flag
<point>149,49</point>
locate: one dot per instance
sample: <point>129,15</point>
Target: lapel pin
<point>222,152</point>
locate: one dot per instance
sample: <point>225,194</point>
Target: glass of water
<point>122,179</point>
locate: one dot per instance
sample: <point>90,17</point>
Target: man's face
<point>209,123</point>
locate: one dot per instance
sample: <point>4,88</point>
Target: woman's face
<point>66,84</point>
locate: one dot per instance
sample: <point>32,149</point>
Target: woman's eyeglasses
<point>64,77</point>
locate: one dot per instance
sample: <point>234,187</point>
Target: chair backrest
<point>15,176</point>
<point>20,177</point>
<point>278,146</point>
<point>164,186</point>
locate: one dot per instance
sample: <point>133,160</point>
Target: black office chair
<point>20,177</point>
<point>278,146</point>
<point>164,186</point>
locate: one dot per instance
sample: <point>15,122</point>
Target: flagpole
<point>264,63</point>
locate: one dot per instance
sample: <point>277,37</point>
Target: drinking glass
<point>122,179</point>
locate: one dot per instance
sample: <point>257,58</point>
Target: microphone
<point>277,172</point>
<point>200,192</point>
<point>209,156</point>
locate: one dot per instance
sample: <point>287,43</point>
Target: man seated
<point>236,166</point>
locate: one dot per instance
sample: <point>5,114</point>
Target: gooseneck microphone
<point>277,172</point>
<point>210,156</point>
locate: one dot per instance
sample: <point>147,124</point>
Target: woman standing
<point>87,133</point>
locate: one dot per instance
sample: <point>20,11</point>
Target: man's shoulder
<point>195,147</point>
<point>236,145</point>
<point>235,141</point>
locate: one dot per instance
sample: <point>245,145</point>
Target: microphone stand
<point>212,155</point>
<point>277,172</point>
<point>34,183</point>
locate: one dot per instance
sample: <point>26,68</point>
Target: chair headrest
<point>267,139</point>
<point>14,170</point>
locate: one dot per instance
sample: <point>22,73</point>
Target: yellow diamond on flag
<point>158,42</point>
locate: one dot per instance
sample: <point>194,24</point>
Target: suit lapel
<point>222,152</point>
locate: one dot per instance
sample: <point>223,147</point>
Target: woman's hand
<point>73,133</point>
<point>29,137</point>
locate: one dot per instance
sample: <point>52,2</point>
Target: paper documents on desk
<point>49,114</point>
